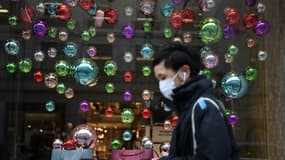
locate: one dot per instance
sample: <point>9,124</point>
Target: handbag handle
<point>62,155</point>
<point>137,154</point>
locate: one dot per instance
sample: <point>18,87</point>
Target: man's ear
<point>186,71</point>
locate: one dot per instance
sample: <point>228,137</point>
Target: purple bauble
<point>229,32</point>
<point>177,2</point>
<point>40,28</point>
<point>262,28</point>
<point>233,119</point>
<point>84,106</point>
<point>91,51</point>
<point>128,96</point>
<point>250,3</point>
<point>128,31</point>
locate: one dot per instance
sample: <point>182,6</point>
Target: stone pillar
<point>275,79</point>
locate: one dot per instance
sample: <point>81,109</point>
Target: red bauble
<point>38,76</point>
<point>63,12</point>
<point>27,14</point>
<point>111,15</point>
<point>188,15</point>
<point>86,4</point>
<point>146,113</point>
<point>128,77</point>
<point>174,120</point>
<point>69,144</point>
<point>176,19</point>
<point>250,20</point>
<point>109,112</point>
<point>232,15</point>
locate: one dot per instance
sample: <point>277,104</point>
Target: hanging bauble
<point>71,24</point>
<point>228,58</point>
<point>51,9</point>
<point>176,19</point>
<point>86,4</point>
<point>99,18</point>
<point>210,61</point>
<point>84,106</point>
<point>25,65</point>
<point>148,144</point>
<point>52,52</point>
<point>250,73</point>
<point>116,144</point>
<point>12,47</point>
<point>147,27</point>
<point>62,35</point>
<point>187,37</point>
<point>167,9</point>
<point>174,120</point>
<point>260,7</point>
<point>27,14</point>
<point>147,51</point>
<point>69,93</point>
<point>177,2</point>
<point>127,115</point>
<point>250,20</point>
<point>57,144</point>
<point>167,33</point>
<point>91,51</point>
<point>70,144</point>
<point>11,67</point>
<point>38,76</point>
<point>111,37</point>
<point>60,88</point>
<point>27,34</point>
<point>128,77</point>
<point>92,31</point>
<point>188,16</point>
<point>86,71</point>
<point>12,20</point>
<point>232,15</point>
<point>70,49</point>
<point>50,106</point>
<point>110,68</point>
<point>61,68</point>
<point>261,55</point>
<point>111,16</point>
<point>207,5</point>
<point>146,95</point>
<point>146,71</point>
<point>233,118</point>
<point>167,125</point>
<point>85,36</point>
<point>210,31</point>
<point>233,50</point>
<point>233,85</point>
<point>51,80</point>
<point>146,113</point>
<point>39,56</point>
<point>92,11</point>
<point>177,39</point>
<point>40,8</point>
<point>63,12</point>
<point>250,3</point>
<point>85,136</point>
<point>164,149</point>
<point>52,32</point>
<point>147,7</point>
<point>250,42</point>
<point>145,139</point>
<point>127,135</point>
<point>129,11</point>
<point>228,32</point>
<point>109,87</point>
<point>128,31</point>
<point>71,3</point>
<point>205,50</point>
<point>127,96</point>
<point>109,112</point>
<point>40,28</point>
<point>128,57</point>
<point>262,28</point>
<point>207,73</point>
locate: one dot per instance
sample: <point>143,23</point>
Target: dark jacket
<point>213,133</point>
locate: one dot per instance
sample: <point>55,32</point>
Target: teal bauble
<point>234,85</point>
<point>127,135</point>
<point>70,49</point>
<point>50,106</point>
<point>86,71</point>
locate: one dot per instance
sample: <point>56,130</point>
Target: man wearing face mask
<point>202,131</point>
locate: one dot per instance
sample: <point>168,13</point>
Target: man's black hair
<point>175,55</point>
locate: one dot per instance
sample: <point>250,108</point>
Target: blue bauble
<point>167,9</point>
<point>86,71</point>
<point>127,135</point>
<point>234,86</point>
<point>70,49</point>
<point>12,47</point>
<point>50,106</point>
<point>93,10</point>
<point>146,51</point>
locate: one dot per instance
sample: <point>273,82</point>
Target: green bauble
<point>60,88</point>
<point>92,31</point>
<point>71,24</point>
<point>146,70</point>
<point>251,73</point>
<point>25,65</point>
<point>207,72</point>
<point>147,27</point>
<point>52,32</point>
<point>85,36</point>
<point>62,68</point>
<point>12,20</point>
<point>233,50</point>
<point>109,87</point>
<point>11,67</point>
<point>167,33</point>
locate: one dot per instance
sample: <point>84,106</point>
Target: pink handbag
<point>132,154</point>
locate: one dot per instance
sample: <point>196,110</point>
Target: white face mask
<point>166,87</point>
